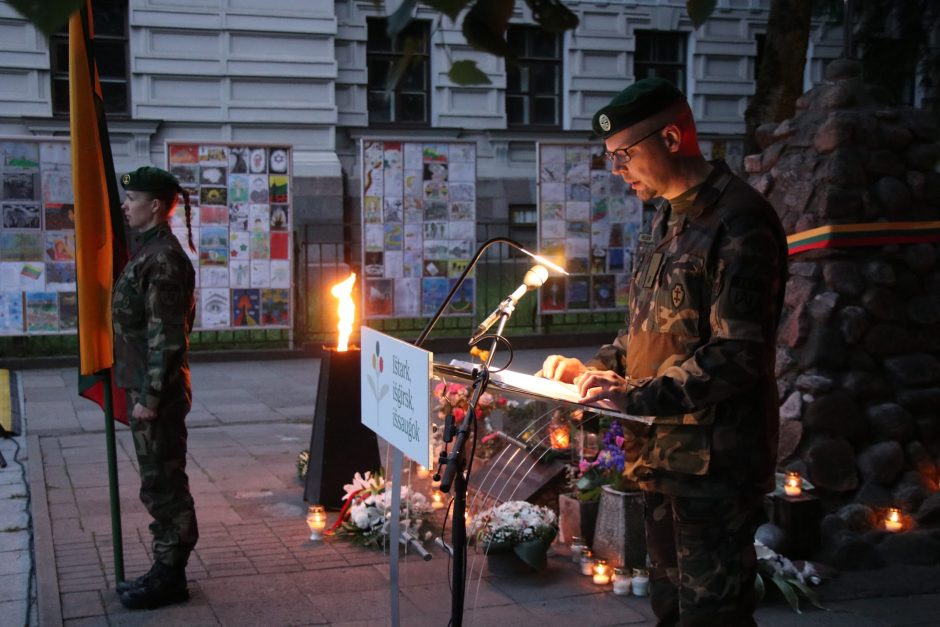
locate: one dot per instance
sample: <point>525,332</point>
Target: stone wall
<point>858,355</point>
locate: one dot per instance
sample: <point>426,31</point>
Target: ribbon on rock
<point>868,234</point>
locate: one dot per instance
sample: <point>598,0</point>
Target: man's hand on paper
<point>561,368</point>
<point>596,385</point>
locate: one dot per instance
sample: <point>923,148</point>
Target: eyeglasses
<point>620,155</point>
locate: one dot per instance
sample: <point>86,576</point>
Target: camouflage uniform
<point>706,297</point>
<point>153,311</point>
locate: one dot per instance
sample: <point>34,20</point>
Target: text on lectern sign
<point>395,388</point>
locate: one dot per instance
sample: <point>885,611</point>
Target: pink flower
<point>501,401</point>
<point>459,414</point>
<point>439,389</point>
<point>455,388</point>
<point>619,441</point>
<point>584,465</point>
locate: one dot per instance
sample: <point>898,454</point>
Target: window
<point>110,49</point>
<point>408,101</point>
<point>662,54</point>
<point>533,82</point>
<point>522,224</point>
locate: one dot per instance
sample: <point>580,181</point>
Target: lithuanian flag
<point>101,247</point>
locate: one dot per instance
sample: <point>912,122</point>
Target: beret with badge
<point>641,100</point>
<point>149,179</point>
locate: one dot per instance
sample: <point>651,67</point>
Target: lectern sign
<point>395,388</point>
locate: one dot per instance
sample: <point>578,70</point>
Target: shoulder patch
<point>745,294</point>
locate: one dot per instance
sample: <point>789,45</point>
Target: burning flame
<point>346,310</point>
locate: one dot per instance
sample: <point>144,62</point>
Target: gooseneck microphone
<point>534,278</point>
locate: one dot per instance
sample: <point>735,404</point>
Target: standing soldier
<point>153,310</point>
<point>697,355</point>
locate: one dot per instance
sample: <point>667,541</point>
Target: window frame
<point>57,74</point>
<point>392,56</point>
<point>558,62</point>
<point>657,37</point>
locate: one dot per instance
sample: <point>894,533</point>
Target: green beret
<point>637,102</point>
<point>149,179</point>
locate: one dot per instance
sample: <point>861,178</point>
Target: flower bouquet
<point>366,516</point>
<point>792,582</point>
<point>523,528</point>
<point>454,398</point>
<point>607,468</point>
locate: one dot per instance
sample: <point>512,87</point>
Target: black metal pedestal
<point>339,445</point>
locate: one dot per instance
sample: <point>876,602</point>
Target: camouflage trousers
<point>702,559</point>
<point>164,485</point>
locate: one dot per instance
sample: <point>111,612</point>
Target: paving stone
<point>13,612</point>
<point>81,604</point>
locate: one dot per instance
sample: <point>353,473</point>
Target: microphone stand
<point>454,473</point>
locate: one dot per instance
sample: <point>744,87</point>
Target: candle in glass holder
<point>601,572</point>
<point>577,545</point>
<point>437,500</point>
<point>640,582</point>
<point>621,581</point>
<point>316,521</point>
<point>423,472</point>
<point>587,562</point>
<point>793,484</point>
<point>560,437</point>
<point>893,520</point>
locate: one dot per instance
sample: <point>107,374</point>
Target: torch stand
<point>339,445</point>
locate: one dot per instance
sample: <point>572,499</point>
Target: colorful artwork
<point>418,213</point>
<point>42,312</point>
<point>588,221</point>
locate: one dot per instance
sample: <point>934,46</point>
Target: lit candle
<point>560,437</point>
<point>793,484</point>
<point>621,581</point>
<point>437,500</point>
<point>316,521</point>
<point>601,573</point>
<point>423,472</point>
<point>640,582</point>
<point>587,562</point>
<point>893,520</point>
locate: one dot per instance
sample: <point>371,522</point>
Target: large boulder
<point>881,463</point>
<point>831,465</point>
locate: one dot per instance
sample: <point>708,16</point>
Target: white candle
<point>640,583</point>
<point>793,484</point>
<point>423,472</point>
<point>437,500</point>
<point>893,521</point>
<point>621,582</point>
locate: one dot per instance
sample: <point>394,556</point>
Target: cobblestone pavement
<point>254,563</point>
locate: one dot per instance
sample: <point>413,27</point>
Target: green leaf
<point>700,10</point>
<point>788,593</point>
<point>450,8</point>
<point>552,15</point>
<point>759,589</point>
<point>808,592</point>
<point>398,20</point>
<point>47,15</point>
<point>484,26</point>
<point>467,73</point>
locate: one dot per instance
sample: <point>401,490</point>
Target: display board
<point>37,238</point>
<point>418,227</point>
<point>241,223</point>
<point>588,222</point>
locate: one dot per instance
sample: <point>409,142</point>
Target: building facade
<point>311,74</point>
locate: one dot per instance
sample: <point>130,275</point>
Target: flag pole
<point>117,538</point>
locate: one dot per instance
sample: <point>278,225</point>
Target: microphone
<point>534,278</point>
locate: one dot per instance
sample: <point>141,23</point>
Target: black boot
<point>167,585</point>
<point>125,585</point>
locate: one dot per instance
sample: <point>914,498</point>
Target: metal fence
<point>500,270</point>
<point>318,264</point>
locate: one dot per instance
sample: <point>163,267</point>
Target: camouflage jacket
<point>699,346</point>
<point>152,312</point>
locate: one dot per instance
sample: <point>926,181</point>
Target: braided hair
<point>170,198</point>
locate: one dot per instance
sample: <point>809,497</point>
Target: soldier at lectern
<point>697,355</point>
